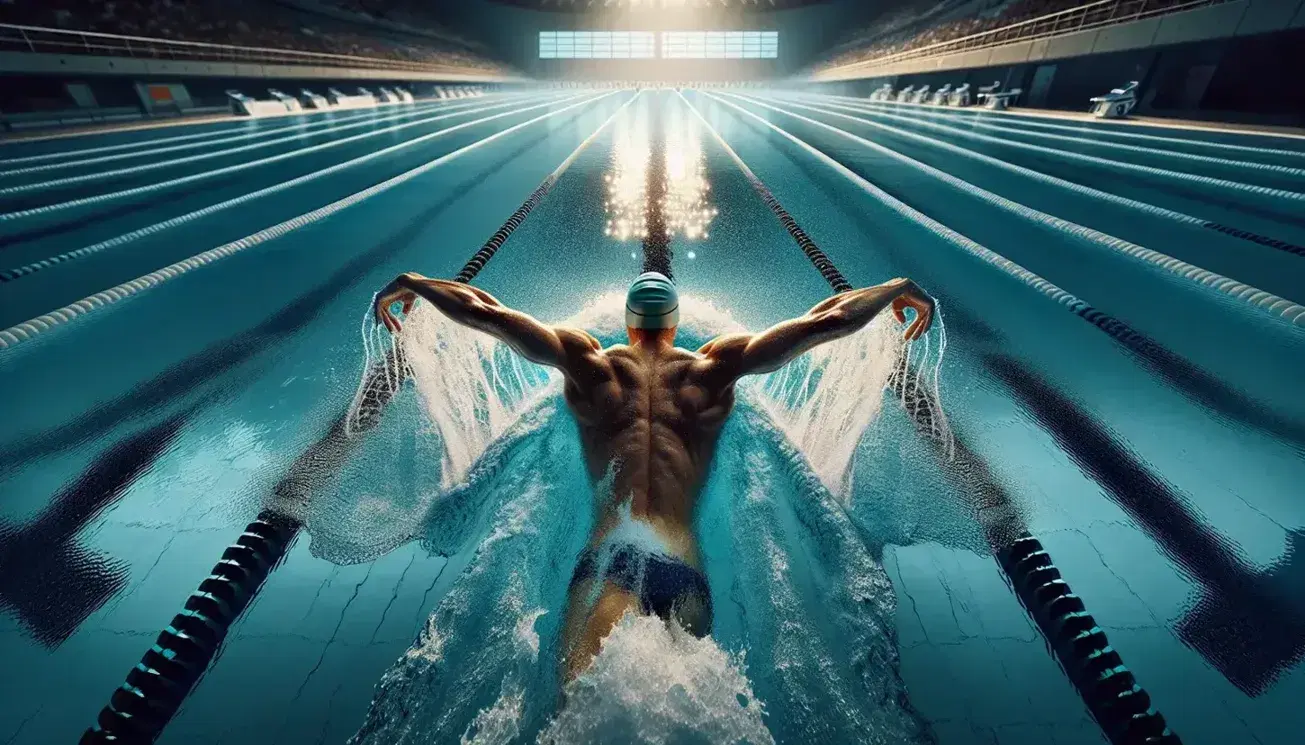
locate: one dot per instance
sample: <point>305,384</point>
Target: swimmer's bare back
<point>649,412</point>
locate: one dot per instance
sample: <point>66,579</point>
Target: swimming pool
<point>1137,416</point>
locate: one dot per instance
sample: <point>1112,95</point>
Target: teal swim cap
<point>652,302</point>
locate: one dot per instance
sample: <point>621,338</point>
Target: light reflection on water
<point>686,204</point>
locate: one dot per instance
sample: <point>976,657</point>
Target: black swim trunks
<point>666,586</point>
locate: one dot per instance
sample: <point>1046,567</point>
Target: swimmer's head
<point>652,306</point>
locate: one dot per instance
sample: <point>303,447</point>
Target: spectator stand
<point>986,27</point>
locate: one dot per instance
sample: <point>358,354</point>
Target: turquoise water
<point>423,605</point>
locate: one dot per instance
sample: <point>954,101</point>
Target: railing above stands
<point>1085,17</point>
<point>60,41</point>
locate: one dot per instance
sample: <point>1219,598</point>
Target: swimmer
<point>649,415</point>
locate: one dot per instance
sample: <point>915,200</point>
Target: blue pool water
<point>1141,417</point>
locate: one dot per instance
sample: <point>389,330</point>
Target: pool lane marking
<point>1075,640</point>
<point>73,180</point>
<point>808,246</point>
<point>1295,198</point>
<point>27,330</point>
<point>1180,155</point>
<point>1185,377</point>
<point>303,129</point>
<point>15,273</point>
<point>195,636</point>
<point>1088,191</point>
<point>1277,308</point>
<point>248,128</point>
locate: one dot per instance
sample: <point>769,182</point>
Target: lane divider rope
<point>234,168</point>
<point>33,328</point>
<point>1185,377</point>
<point>1202,181</point>
<point>1176,154</point>
<point>88,178</point>
<point>1108,688</point>
<point>10,275</point>
<point>249,126</point>
<point>1085,128</point>
<point>1278,308</point>
<point>1088,191</point>
<point>301,129</point>
<point>822,262</point>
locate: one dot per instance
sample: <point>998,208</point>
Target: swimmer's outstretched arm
<point>737,355</point>
<point>477,309</point>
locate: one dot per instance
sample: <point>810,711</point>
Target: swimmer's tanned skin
<point>649,410</point>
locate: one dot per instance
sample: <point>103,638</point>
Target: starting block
<point>311,100</point>
<point>920,94</point>
<point>363,99</point>
<point>882,93</point>
<point>939,97</point>
<point>289,102</point>
<point>960,96</point>
<point>999,100</point>
<point>904,95</point>
<point>242,105</point>
<point>1117,103</point>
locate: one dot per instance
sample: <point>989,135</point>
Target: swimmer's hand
<point>916,299</point>
<point>397,291</point>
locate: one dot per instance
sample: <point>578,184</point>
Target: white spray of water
<point>654,683</point>
<point>472,386</point>
<point>826,401</point>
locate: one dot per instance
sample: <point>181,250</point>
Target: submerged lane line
<point>302,129</point>
<point>92,177</point>
<point>975,122</point>
<point>1187,378</point>
<point>1296,198</point>
<point>1019,121</point>
<point>15,335</point>
<point>1088,191</point>
<point>1277,307</point>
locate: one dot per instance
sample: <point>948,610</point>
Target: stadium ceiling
<point>584,5</point>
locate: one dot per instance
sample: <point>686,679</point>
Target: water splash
<point>473,387</point>
<point>829,399</point>
<point>654,683</point>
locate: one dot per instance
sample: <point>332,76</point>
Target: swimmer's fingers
<point>384,314</point>
<point>923,307</point>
